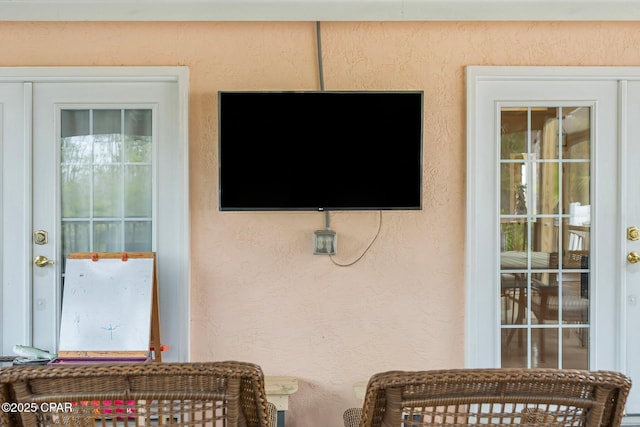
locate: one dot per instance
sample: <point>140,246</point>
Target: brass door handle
<point>42,261</point>
<point>633,257</point>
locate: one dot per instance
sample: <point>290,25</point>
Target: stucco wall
<point>258,293</point>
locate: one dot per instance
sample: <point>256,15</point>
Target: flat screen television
<point>320,150</point>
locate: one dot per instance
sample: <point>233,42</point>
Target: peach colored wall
<point>258,293</point>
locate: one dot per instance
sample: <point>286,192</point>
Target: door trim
<point>180,250</point>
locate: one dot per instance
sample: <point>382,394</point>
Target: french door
<point>552,169</point>
<point>91,163</point>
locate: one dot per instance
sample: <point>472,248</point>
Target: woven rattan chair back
<point>352,417</point>
<point>229,394</point>
<point>499,397</point>
<point>272,414</point>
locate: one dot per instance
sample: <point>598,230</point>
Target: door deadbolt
<point>41,237</point>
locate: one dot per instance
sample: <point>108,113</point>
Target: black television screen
<point>320,150</point>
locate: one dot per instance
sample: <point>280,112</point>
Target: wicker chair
<point>352,417</point>
<point>272,414</point>
<point>229,394</point>
<point>499,397</point>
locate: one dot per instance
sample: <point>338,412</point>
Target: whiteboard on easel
<point>106,304</point>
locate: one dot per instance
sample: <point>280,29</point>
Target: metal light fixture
<point>325,242</point>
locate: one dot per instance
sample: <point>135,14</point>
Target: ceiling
<point>319,10</point>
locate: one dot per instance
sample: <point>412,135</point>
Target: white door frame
<point>174,243</point>
<point>481,188</point>
<point>481,344</point>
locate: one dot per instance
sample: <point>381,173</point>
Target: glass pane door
<point>544,226</point>
<point>98,141</point>
<point>106,180</point>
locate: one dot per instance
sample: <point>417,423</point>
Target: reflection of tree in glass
<point>106,178</point>
<point>521,199</point>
